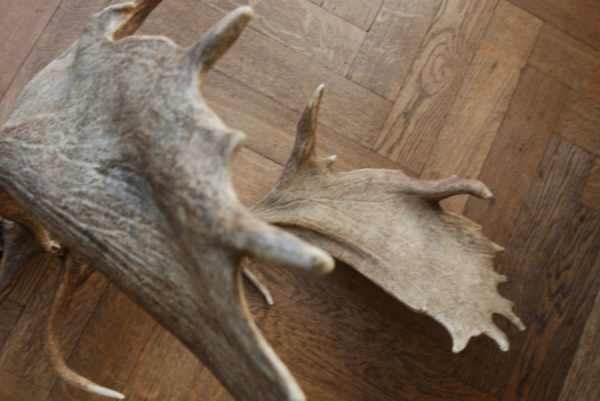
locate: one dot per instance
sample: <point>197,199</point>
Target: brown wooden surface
<point>505,91</point>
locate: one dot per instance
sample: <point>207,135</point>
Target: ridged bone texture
<point>113,159</point>
<point>113,151</point>
<point>391,228</point>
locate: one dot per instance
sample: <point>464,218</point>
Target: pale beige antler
<point>391,228</point>
<point>113,150</point>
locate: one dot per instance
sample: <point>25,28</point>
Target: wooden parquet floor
<point>506,91</point>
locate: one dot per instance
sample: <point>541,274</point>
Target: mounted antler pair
<point>113,154</point>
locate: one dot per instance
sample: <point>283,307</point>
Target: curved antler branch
<point>73,269</point>
<point>137,15</point>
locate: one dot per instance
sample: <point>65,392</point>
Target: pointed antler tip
<point>219,39</point>
<point>317,95</point>
<point>324,263</point>
<point>246,11</point>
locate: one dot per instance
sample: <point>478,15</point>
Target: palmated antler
<point>113,150</point>
<point>391,228</point>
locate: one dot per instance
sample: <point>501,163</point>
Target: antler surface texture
<point>113,150</point>
<point>391,228</point>
<point>113,158</point>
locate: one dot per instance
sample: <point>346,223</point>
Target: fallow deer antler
<point>391,228</point>
<point>113,150</point>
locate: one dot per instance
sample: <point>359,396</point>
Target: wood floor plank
<point>582,383</point>
<point>14,388</point>
<point>304,27</point>
<point>178,373</point>
<point>29,279</point>
<point>62,30</point>
<point>359,12</point>
<point>433,82</point>
<point>579,18</point>
<point>471,125</point>
<point>555,259</point>
<point>262,117</point>
<point>278,71</point>
<point>9,313</point>
<point>391,45</point>
<point>590,196</point>
<point>518,148</point>
<point>579,123</point>
<point>109,347</point>
<point>568,60</point>
<point>23,353</point>
<point>21,23</point>
<point>355,351</point>
<point>552,266</point>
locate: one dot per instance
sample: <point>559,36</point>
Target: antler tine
<point>141,10</point>
<point>306,138</point>
<point>304,146</point>
<point>62,297</point>
<point>218,40</point>
<point>274,246</point>
<point>118,21</point>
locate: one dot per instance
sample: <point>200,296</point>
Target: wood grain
<point>554,258</point>
<point>552,269</point>
<point>568,60</point>
<point>391,45</point>
<point>280,72</point>
<point>179,377</point>
<point>9,313</point>
<point>21,22</point>
<point>27,283</point>
<point>243,107</point>
<point>579,123</point>
<point>358,12</point>
<point>590,196</point>
<point>355,351</point>
<point>521,139</point>
<point>580,384</point>
<point>62,30</point>
<point>14,388</point>
<point>578,18</point>
<point>434,81</point>
<point>305,28</point>
<point>473,120</point>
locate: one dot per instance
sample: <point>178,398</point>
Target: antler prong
<point>136,17</point>
<point>276,247</point>
<point>441,189</point>
<point>205,53</point>
<point>258,284</point>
